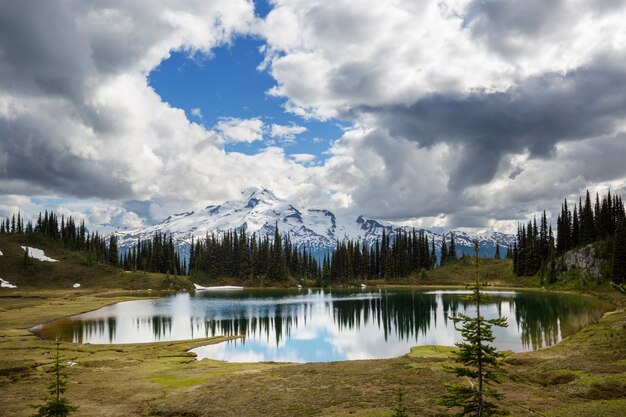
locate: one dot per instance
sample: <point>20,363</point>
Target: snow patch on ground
<point>219,288</point>
<point>0,253</point>
<point>6,284</point>
<point>38,254</point>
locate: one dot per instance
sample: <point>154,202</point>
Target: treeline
<point>586,223</point>
<point>158,254</point>
<point>235,254</point>
<point>534,249</point>
<point>537,251</point>
<point>407,254</point>
<point>65,232</point>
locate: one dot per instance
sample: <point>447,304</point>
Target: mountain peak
<point>260,211</point>
<point>259,193</point>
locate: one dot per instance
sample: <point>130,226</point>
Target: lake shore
<point>582,375</point>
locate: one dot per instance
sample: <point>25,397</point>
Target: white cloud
<point>109,215</point>
<point>79,120</point>
<point>341,200</point>
<point>197,113</point>
<point>241,130</point>
<point>302,157</point>
<point>84,123</point>
<point>286,132</point>
<point>11,204</point>
<point>349,53</point>
<point>385,177</point>
<point>330,57</point>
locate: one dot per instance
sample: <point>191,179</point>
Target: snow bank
<point>6,284</point>
<point>38,254</point>
<point>222,287</point>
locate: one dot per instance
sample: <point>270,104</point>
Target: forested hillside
<point>603,224</point>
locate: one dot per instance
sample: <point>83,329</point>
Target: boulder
<point>584,259</point>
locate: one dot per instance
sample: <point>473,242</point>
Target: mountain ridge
<point>317,229</point>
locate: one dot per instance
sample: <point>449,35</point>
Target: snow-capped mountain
<point>260,211</point>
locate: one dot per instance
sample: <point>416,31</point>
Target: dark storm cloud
<point>53,56</point>
<point>46,64</point>
<point>41,50</point>
<point>35,163</point>
<point>533,116</point>
<point>509,27</point>
<point>57,48</point>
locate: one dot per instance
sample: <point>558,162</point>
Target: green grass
<point>599,408</point>
<point>175,381</point>
<point>73,267</point>
<point>582,376</point>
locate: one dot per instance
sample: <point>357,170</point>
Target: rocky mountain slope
<point>260,211</point>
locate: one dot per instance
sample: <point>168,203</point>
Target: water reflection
<point>316,325</point>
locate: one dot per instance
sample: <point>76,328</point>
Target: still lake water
<point>322,325</point>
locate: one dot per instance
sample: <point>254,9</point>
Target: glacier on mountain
<point>260,211</point>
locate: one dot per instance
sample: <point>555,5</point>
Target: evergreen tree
<point>552,276</point>
<point>588,224</point>
<point>113,257</point>
<point>433,255</point>
<point>444,251</point>
<point>452,256</point>
<point>575,229</point>
<point>277,266</point>
<point>497,255</point>
<point>56,405</point>
<point>478,359</point>
<point>619,253</point>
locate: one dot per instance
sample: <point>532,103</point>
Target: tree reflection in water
<point>335,325</point>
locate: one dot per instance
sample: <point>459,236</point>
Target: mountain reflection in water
<point>318,325</point>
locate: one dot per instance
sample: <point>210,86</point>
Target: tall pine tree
<point>619,253</point>
<point>478,359</point>
<point>56,405</point>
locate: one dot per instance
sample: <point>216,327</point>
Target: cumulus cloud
<point>286,132</point>
<point>302,157</point>
<point>77,116</point>
<point>241,130</point>
<point>466,88</point>
<point>461,112</point>
<point>328,58</point>
<point>97,214</point>
<point>78,119</point>
<point>386,177</point>
<point>565,31</point>
<point>11,204</point>
<point>533,117</point>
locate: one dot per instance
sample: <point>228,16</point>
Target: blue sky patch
<point>229,85</point>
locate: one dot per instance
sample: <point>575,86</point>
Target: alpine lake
<point>314,325</point>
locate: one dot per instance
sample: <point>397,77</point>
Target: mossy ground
<point>584,375</point>
<point>74,267</point>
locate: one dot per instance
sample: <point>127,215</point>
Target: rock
<point>584,259</point>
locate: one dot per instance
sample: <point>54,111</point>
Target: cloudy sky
<point>474,113</point>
